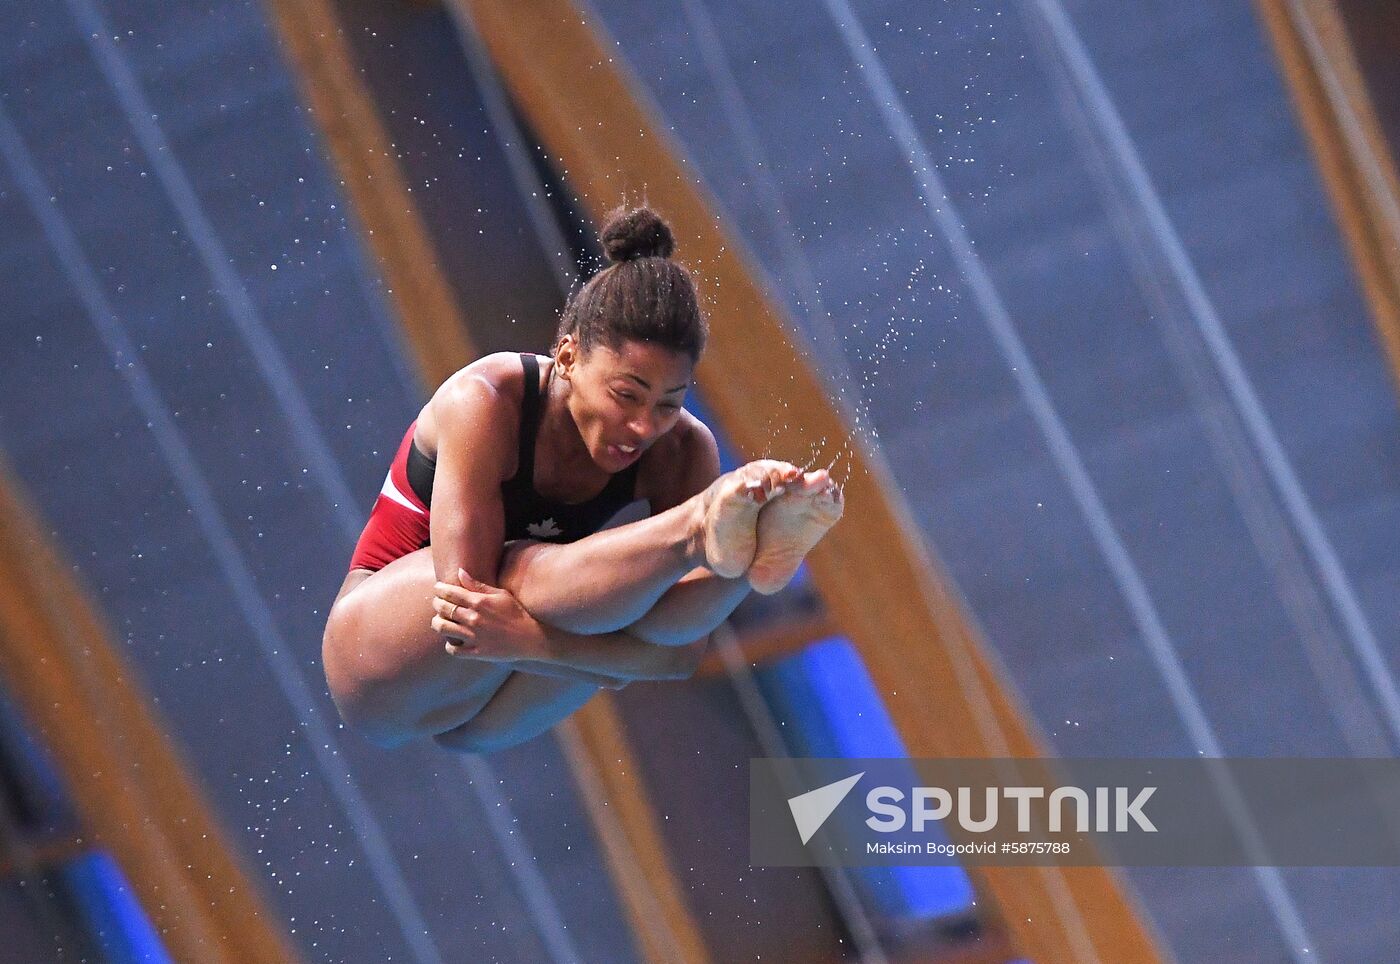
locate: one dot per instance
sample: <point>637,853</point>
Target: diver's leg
<point>392,679</point>
<point>608,580</point>
<point>384,663</point>
<point>523,708</point>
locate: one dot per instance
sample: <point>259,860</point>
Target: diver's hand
<point>485,622</point>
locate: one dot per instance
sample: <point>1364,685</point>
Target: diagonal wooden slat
<point>129,786</point>
<point>1329,92</point>
<point>772,642</point>
<point>42,854</point>
<point>363,154</point>
<point>611,784</point>
<point>943,690</point>
<point>593,739</point>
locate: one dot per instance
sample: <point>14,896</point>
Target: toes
<point>766,479</point>
<point>779,477</point>
<point>811,483</point>
<point>762,490</point>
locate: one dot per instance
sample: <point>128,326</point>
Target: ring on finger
<point>455,607</point>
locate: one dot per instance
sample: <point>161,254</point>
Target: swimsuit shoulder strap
<point>529,419</point>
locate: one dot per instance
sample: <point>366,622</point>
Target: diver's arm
<point>488,623</point>
<point>467,518</point>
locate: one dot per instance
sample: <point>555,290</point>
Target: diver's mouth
<point>623,453</point>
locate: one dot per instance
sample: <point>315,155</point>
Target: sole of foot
<point>729,521</point>
<point>790,526</point>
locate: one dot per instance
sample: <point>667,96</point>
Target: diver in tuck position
<point>485,540</point>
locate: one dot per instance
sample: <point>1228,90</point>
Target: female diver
<point>485,541</point>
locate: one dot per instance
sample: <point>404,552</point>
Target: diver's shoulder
<point>679,464</point>
<point>497,375</point>
<point>689,443</point>
<point>693,437</point>
<point>492,386</point>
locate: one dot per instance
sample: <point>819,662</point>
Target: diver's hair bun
<point>636,233</point>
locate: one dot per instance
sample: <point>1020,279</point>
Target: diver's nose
<point>643,429</point>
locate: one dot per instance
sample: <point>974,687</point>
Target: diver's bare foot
<point>727,524</point>
<point>790,526</point>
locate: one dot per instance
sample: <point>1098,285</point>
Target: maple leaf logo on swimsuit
<point>543,530</point>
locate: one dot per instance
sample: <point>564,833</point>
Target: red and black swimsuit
<point>398,523</point>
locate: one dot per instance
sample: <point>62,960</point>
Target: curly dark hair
<point>642,294</point>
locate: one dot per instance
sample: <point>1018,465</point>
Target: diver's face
<point>623,401</point>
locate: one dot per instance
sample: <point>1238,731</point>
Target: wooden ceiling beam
<point>131,790</point>
<point>772,641</point>
<point>363,155</point>
<point>1358,169</point>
